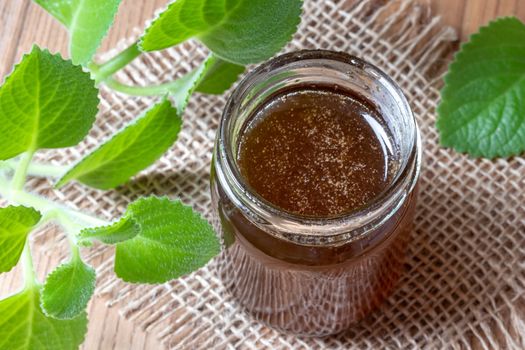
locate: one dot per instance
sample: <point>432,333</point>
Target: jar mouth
<point>313,230</point>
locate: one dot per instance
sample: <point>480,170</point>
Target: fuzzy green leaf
<point>219,76</point>
<point>482,109</point>
<point>173,241</point>
<point>87,21</point>
<point>23,325</point>
<point>68,290</point>
<point>15,225</point>
<point>242,31</point>
<point>46,102</point>
<point>212,76</point>
<point>129,151</point>
<point>182,89</point>
<point>120,231</point>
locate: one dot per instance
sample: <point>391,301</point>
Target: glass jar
<point>313,276</point>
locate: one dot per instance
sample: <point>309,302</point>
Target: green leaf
<point>46,102</point>
<point>87,21</point>
<point>173,241</point>
<point>213,74</point>
<point>182,89</point>
<point>120,231</point>
<point>68,289</point>
<point>129,151</point>
<point>219,76</point>
<point>482,109</point>
<point>243,31</point>
<point>23,325</point>
<point>15,225</point>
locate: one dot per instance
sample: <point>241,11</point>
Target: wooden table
<point>22,23</point>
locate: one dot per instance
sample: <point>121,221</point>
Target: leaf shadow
<point>191,186</point>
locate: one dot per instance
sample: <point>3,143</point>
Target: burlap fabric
<point>465,276</point>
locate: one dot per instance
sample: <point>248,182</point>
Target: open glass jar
<point>314,275</point>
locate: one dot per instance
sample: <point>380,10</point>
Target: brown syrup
<point>315,152</point>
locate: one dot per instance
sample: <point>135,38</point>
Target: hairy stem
<point>72,229</point>
<point>27,260</point>
<point>103,71</point>
<point>153,90</point>
<point>44,205</point>
<point>29,270</point>
<point>39,169</point>
<point>171,87</point>
<point>19,179</point>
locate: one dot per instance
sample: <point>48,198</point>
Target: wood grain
<point>468,15</point>
<point>23,23</point>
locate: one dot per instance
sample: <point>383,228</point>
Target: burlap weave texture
<point>465,276</point>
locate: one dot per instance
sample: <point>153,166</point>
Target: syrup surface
<point>316,152</point>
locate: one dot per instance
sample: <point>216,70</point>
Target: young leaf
<point>46,102</point>
<point>213,74</point>
<point>15,225</point>
<point>23,326</point>
<point>243,31</point>
<point>173,241</point>
<point>87,21</point>
<point>67,290</point>
<point>482,109</point>
<point>120,231</point>
<point>219,77</point>
<point>129,151</point>
<point>183,88</point>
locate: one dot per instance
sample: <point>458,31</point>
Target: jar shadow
<point>192,187</point>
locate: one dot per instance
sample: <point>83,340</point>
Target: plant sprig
<point>48,102</point>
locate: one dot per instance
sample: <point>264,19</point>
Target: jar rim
<point>309,229</point>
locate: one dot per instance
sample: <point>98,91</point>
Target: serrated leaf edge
<point>82,235</point>
<point>289,36</point>
<point>158,14</point>
<point>203,68</point>
<point>42,307</point>
<point>34,211</point>
<point>35,49</point>
<point>162,199</point>
<point>452,69</point>
<point>61,182</point>
<point>278,48</point>
<point>104,33</point>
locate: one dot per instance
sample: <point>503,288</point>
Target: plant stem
<point>102,72</point>
<point>38,169</point>
<point>172,87</point>
<point>153,90</point>
<point>44,205</point>
<point>29,270</point>
<point>72,229</point>
<point>20,176</point>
